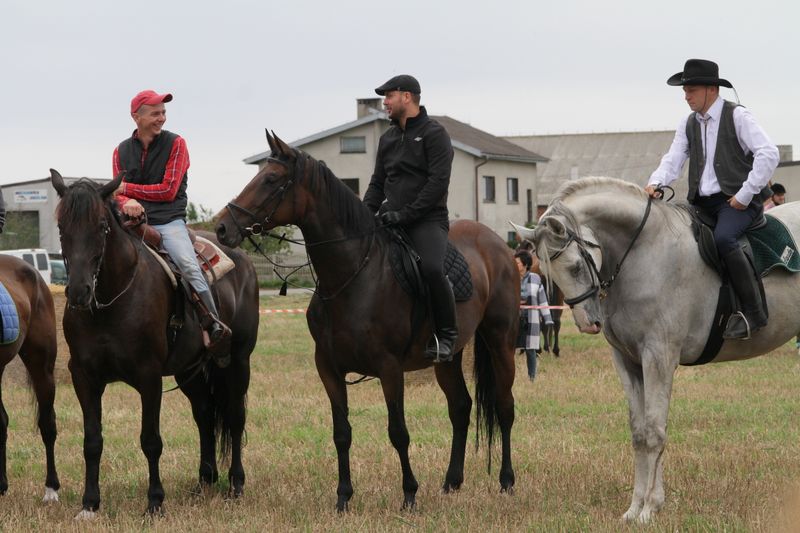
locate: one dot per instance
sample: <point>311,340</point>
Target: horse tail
<point>485,397</point>
<point>220,398</point>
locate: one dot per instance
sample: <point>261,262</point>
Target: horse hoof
<point>86,515</point>
<point>630,515</point>
<point>155,510</point>
<point>235,492</point>
<point>449,488</point>
<point>50,495</point>
<point>409,503</point>
<point>342,506</point>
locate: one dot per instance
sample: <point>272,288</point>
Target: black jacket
<point>412,170</point>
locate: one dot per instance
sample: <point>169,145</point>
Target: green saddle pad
<point>773,247</point>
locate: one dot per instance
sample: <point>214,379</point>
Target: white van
<point>36,257</point>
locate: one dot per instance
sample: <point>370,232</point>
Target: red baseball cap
<point>148,97</point>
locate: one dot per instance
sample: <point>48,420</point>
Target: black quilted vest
<point>151,173</point>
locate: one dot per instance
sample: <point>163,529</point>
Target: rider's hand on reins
<point>654,191</point>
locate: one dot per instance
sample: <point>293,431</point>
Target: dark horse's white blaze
<point>658,312</point>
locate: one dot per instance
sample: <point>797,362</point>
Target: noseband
<point>598,286</point>
<point>256,227</point>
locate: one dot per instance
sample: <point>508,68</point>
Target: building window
<point>352,184</point>
<point>512,190</point>
<point>488,188</point>
<point>353,145</point>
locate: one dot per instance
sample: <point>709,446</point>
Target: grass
<point>731,463</point>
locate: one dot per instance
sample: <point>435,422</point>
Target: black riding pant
<point>429,238</point>
<point>731,222</point>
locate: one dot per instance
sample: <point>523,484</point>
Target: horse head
<point>571,258</point>
<point>270,199</point>
<point>84,220</point>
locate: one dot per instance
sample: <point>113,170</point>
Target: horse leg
<point>90,397</point>
<point>238,380</point>
<point>459,406</point>
<point>392,384</point>
<point>504,371</point>
<point>150,439</point>
<point>40,369</point>
<point>198,392</point>
<point>555,330</point>
<point>648,432</point>
<point>3,441</point>
<point>342,432</point>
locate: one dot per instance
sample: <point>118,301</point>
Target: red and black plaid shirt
<point>167,189</point>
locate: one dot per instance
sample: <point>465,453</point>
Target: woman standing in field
<point>532,293</point>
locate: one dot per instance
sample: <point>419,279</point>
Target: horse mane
<point>575,187</point>
<point>81,202</point>
<point>348,208</point>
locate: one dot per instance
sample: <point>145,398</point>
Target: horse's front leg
<point>459,406</point>
<point>392,384</point>
<point>150,439</point>
<point>90,396</point>
<point>645,387</point>
<point>342,432</point>
<point>3,442</point>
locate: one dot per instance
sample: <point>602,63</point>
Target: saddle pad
<point>455,268</point>
<point>8,311</point>
<point>773,247</point>
<point>209,253</point>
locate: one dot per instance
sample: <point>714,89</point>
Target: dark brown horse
<point>117,325</point>
<point>360,317</point>
<point>36,344</point>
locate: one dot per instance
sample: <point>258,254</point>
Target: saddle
<point>212,260</point>
<point>767,244</point>
<point>405,266</point>
<point>10,317</point>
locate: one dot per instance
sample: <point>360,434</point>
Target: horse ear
<point>107,189</point>
<point>554,225</point>
<point>283,148</point>
<point>58,182</point>
<point>522,231</point>
<point>271,142</point>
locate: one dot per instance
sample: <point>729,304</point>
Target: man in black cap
<point>412,173</point>
<point>731,160</point>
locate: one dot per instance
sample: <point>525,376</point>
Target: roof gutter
<point>477,187</point>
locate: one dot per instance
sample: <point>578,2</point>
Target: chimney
<point>785,151</point>
<point>367,106</point>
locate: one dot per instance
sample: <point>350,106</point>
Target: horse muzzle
<point>585,321</point>
<point>226,237</point>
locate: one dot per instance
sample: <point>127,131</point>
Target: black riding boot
<point>743,278</point>
<point>441,346</point>
<point>215,329</point>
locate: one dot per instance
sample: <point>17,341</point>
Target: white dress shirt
<point>751,138</point>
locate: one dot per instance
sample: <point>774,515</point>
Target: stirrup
<point>746,325</point>
<point>435,355</point>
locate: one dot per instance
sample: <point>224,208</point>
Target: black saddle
<point>703,229</point>
<point>405,266</point>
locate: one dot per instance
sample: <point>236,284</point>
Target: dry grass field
<point>732,462</point>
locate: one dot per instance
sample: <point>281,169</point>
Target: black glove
<point>392,218</point>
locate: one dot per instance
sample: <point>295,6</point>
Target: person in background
<point>778,196</point>
<point>532,293</point>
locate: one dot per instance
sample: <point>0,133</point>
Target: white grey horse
<point>655,305</point>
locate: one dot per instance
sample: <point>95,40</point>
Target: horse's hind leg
<point>556,330</point>
<point>238,380</point>
<point>392,384</point>
<point>459,406</point>
<point>197,390</point>
<point>40,361</point>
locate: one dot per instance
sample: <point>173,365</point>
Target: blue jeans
<point>175,239</point>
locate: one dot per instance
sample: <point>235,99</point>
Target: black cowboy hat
<point>699,72</point>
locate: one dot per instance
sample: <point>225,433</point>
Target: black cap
<point>699,72</point>
<point>403,82</point>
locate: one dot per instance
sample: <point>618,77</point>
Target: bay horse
<point>117,325</point>
<point>630,267</point>
<point>360,317</point>
<point>36,344</point>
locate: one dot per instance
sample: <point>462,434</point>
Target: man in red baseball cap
<point>155,162</point>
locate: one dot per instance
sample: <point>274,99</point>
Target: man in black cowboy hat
<point>412,173</point>
<point>733,185</point>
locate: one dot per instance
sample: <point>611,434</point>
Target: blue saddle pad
<point>774,247</point>
<point>8,312</point>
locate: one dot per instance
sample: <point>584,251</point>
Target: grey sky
<point>296,66</point>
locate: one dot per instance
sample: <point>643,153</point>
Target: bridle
<point>106,229</point>
<point>256,227</point>
<point>599,286</point>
